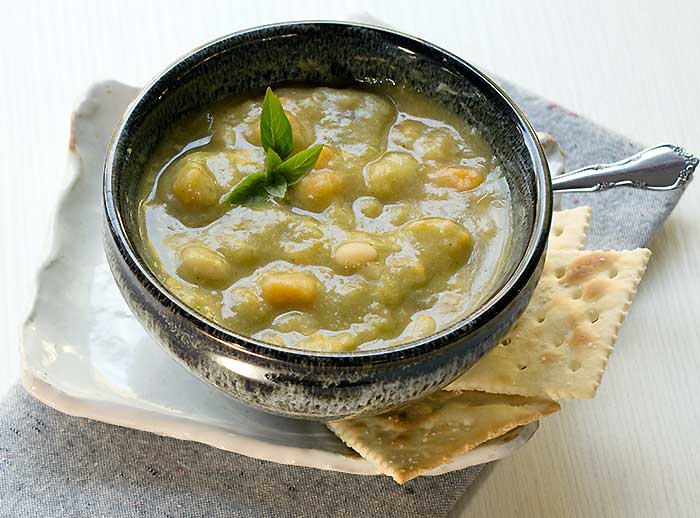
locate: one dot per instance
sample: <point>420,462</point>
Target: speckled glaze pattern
<point>298,383</point>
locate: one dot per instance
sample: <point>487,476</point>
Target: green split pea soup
<point>399,231</point>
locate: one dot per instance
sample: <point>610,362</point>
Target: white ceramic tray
<point>84,354</point>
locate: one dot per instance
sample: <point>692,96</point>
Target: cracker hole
<point>505,342</point>
<point>559,342</point>
<point>574,365</point>
<point>594,316</point>
<point>522,366</point>
<point>558,231</point>
<point>577,294</point>
<point>541,319</point>
<point>560,272</point>
<point>612,273</point>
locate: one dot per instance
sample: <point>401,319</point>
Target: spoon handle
<point>660,168</point>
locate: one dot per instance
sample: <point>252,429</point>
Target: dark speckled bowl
<point>306,384</point>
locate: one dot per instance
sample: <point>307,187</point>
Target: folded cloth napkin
<point>55,465</point>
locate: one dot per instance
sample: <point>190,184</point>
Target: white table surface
<point>630,65</point>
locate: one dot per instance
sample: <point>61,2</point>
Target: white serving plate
<point>84,354</point>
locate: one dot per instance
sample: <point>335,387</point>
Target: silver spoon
<point>660,168</point>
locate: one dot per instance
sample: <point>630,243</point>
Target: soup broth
<point>400,229</point>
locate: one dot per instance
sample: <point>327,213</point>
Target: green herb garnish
<point>275,130</point>
<point>281,170</point>
<point>249,187</point>
<point>272,162</point>
<point>294,168</point>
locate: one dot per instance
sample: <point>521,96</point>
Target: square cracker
<point>430,432</point>
<point>569,229</point>
<point>560,346</point>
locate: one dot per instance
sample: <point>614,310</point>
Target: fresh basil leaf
<point>275,130</point>
<point>250,187</point>
<point>271,164</point>
<point>294,168</point>
<point>278,187</point>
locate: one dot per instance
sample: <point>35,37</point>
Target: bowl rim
<point>507,292</point>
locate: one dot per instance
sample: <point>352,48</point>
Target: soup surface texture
<point>400,230</point>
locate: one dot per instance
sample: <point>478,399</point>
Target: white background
<point>630,65</point>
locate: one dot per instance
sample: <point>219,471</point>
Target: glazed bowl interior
<point>333,54</point>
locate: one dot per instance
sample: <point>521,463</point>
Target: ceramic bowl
<point>310,384</point>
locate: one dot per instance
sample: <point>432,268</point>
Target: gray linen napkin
<point>54,465</point>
